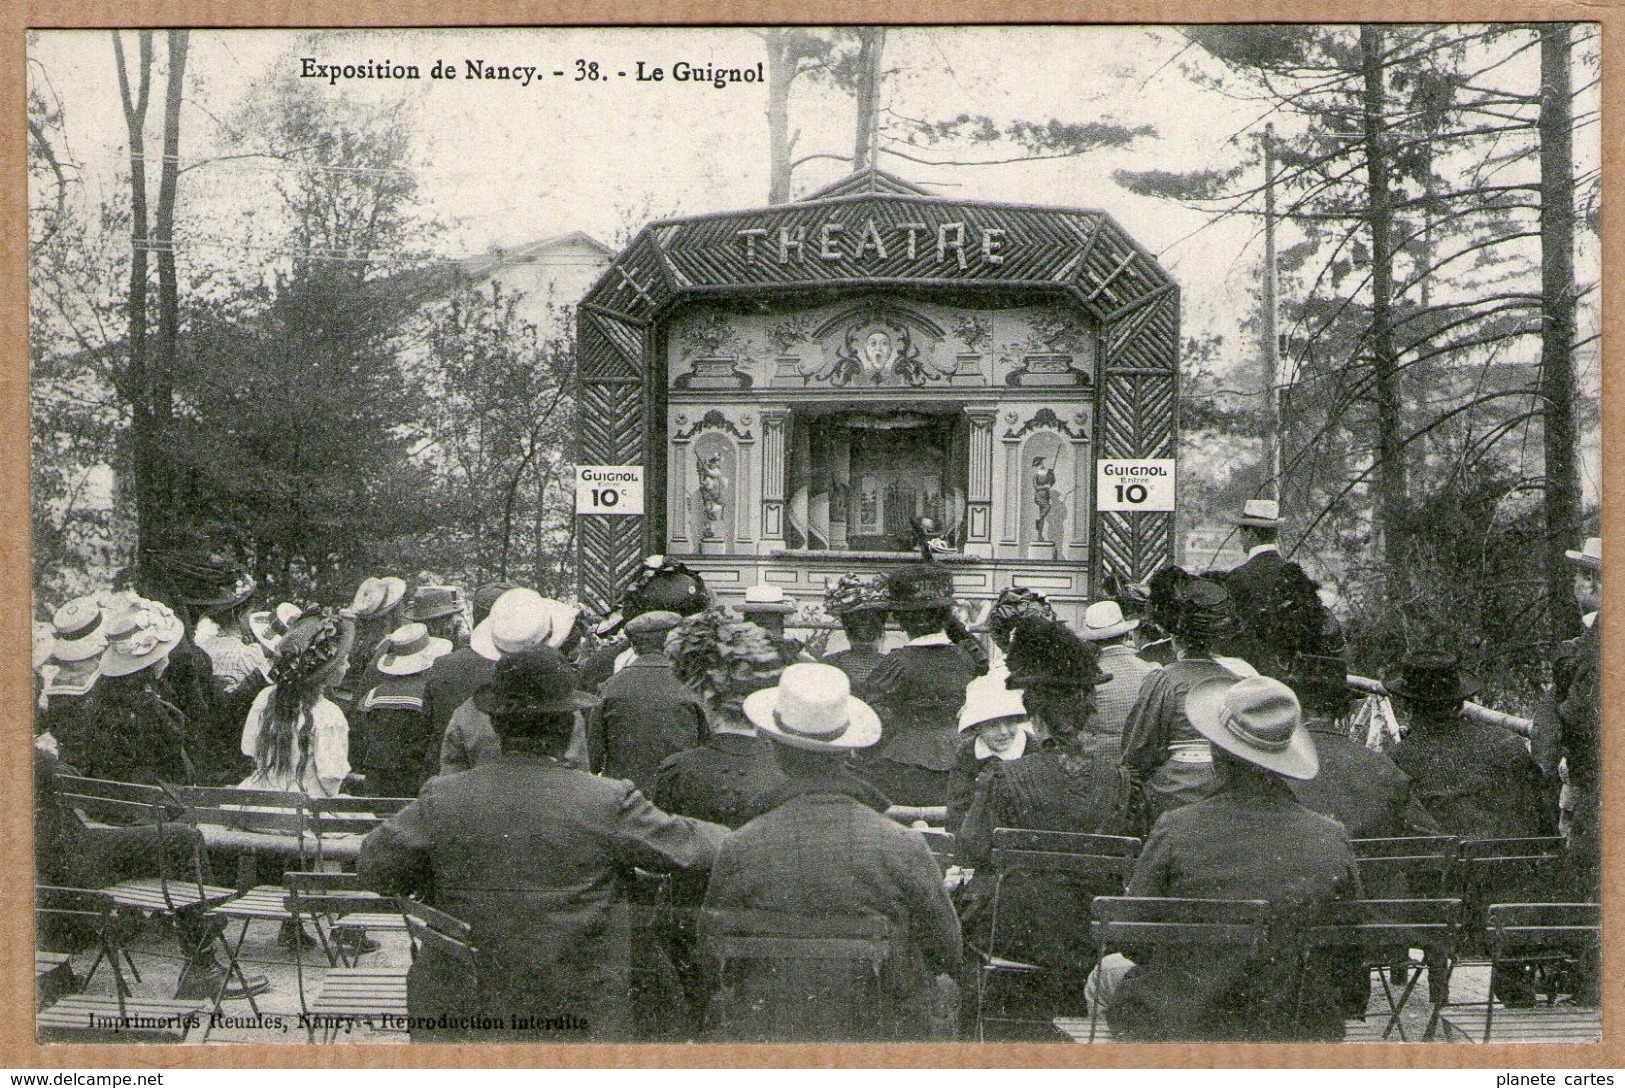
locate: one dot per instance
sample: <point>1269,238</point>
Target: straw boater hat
<point>139,637</point>
<point>518,621</point>
<point>537,681</point>
<point>813,708</point>
<point>765,598</point>
<point>1257,720</point>
<point>1589,557</point>
<point>1431,676</point>
<point>1103,620</point>
<point>408,650</point>
<point>78,631</point>
<point>376,596</point>
<point>269,627</point>
<point>1260,513</point>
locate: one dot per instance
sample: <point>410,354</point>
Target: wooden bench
<point>1541,1024</point>
<point>108,1019</point>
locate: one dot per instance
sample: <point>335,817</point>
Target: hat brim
<point>483,642</point>
<point>412,664</point>
<point>71,651</point>
<point>1243,520</point>
<point>1467,686</point>
<point>115,664</point>
<point>781,607</point>
<point>1204,706</point>
<point>1583,561</point>
<point>862,724</point>
<point>488,702</point>
<point>424,617</point>
<point>1101,634</point>
<point>611,625</point>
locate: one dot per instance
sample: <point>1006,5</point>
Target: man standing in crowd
<point>824,848</point>
<point>1249,840</point>
<point>534,855</point>
<point>917,691</point>
<point>1579,716</point>
<point>644,713</point>
<point>659,585</point>
<point>1105,625</point>
<point>769,608</point>
<point>1276,606</point>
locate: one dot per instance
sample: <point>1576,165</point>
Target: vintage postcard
<point>937,534</point>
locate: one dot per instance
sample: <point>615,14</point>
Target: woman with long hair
<point>297,736</point>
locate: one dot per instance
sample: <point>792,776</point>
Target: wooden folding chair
<point>328,904</point>
<point>1544,933</point>
<point>832,963</point>
<point>1415,867</point>
<point>1143,923</point>
<point>1384,932</point>
<point>1096,864</point>
<point>347,819</point>
<point>122,1017</point>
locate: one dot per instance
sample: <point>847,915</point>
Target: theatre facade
<point>801,383</point>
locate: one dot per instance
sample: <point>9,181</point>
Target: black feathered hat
<point>1047,654</point>
<point>917,587</point>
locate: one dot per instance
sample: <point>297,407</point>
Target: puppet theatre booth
<point>800,383</point>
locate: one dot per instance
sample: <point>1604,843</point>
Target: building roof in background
<point>443,277</point>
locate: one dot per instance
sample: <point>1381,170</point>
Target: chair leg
<point>131,962</point>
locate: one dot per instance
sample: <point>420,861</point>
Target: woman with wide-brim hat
<point>131,731</point>
<point>72,663</point>
<point>823,847</point>
<point>858,603</point>
<point>298,738</point>
<point>1170,763</point>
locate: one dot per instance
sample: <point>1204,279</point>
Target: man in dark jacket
<point>1249,840</point>
<point>1274,603</point>
<point>1361,789</point>
<point>822,849</point>
<point>644,714</point>
<point>659,585</point>
<point>536,857</point>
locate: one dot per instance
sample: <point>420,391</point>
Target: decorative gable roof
<point>870,179</point>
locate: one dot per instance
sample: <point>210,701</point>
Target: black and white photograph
<point>1073,534</point>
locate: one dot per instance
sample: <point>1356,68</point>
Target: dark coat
<point>595,671</point>
<point>1475,779</point>
<point>963,778</point>
<point>1043,918</point>
<point>1361,789</point>
<point>822,848</point>
<point>857,664</point>
<point>402,747</point>
<point>129,732</point>
<point>1579,716</point>
<point>723,780</point>
<point>1268,630</point>
<point>536,857</point>
<point>1249,841</point>
<point>644,715</point>
<point>917,691</point>
<point>452,681</point>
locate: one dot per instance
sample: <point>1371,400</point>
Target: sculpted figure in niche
<point>1043,494</point>
<point>712,479</point>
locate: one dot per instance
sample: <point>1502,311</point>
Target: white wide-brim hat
<point>141,636</point>
<point>1257,719</point>
<point>522,619</point>
<point>1589,556</point>
<point>813,708</point>
<point>765,598</point>
<point>988,700</point>
<point>1103,620</point>
<point>409,650</point>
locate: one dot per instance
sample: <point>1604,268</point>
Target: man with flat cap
<point>659,584</point>
<point>1249,840</point>
<point>645,714</point>
<point>536,856</point>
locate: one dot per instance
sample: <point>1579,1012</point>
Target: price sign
<point>1145,483</point>
<point>609,489</point>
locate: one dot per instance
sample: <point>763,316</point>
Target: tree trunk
<point>1557,325</point>
<point>162,363</point>
<point>145,468</point>
<point>781,72</point>
<point>872,40</point>
<point>1390,468</point>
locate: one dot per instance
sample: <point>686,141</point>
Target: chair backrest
<point>431,928</point>
<point>1414,876</point>
<point>1387,923</point>
<point>1570,927</point>
<point>249,817</point>
<point>1408,847</point>
<point>1066,842</point>
<point>1508,870</point>
<point>228,796</point>
<point>941,843</point>
<point>98,909</point>
<point>378,807</point>
<point>123,803</point>
<point>305,883</point>
<point>1145,921</point>
<point>731,935</point>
